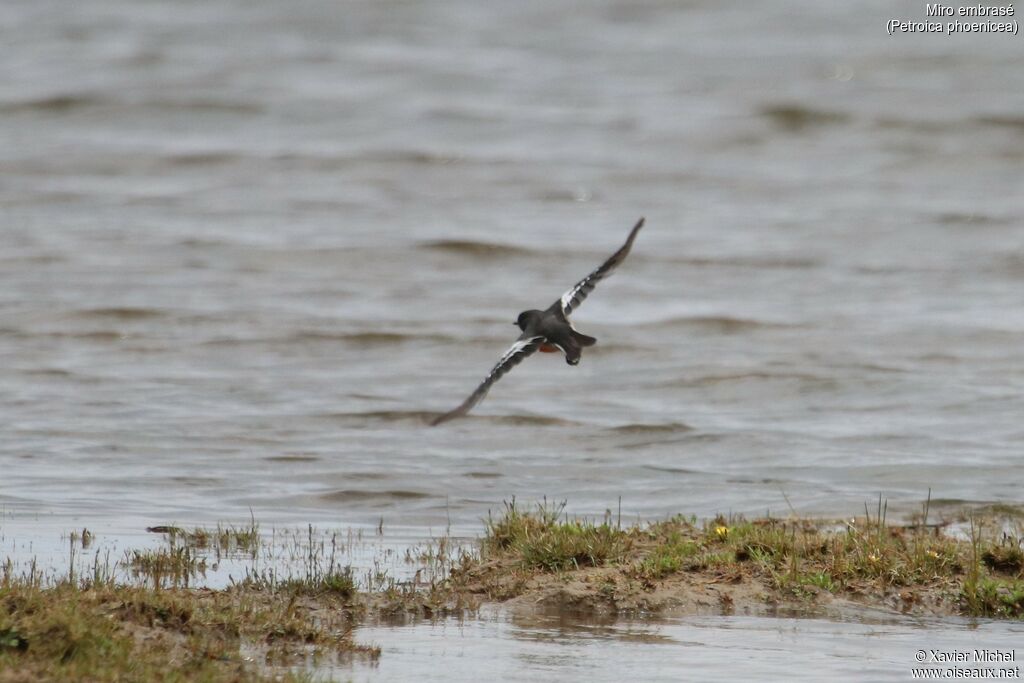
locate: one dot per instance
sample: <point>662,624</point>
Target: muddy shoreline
<point>760,567</point>
<point>530,560</point>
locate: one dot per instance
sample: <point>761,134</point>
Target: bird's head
<point>524,319</point>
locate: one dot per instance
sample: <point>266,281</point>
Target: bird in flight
<point>548,331</point>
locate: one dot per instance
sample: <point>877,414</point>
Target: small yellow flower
<point>932,554</point>
<point>722,532</point>
<point>873,558</point>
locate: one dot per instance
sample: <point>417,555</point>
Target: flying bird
<point>549,330</point>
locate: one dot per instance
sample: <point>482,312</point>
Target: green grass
<point>174,566</point>
<point>1004,558</point>
<point>669,557</point>
<point>994,597</point>
<point>116,633</point>
<point>337,581</point>
<point>545,540</point>
<point>129,619</point>
<point>857,557</point>
<point>223,540</point>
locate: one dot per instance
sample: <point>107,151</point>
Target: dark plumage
<point>548,328</point>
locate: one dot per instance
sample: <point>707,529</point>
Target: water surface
<point>530,648</point>
<point>249,247</point>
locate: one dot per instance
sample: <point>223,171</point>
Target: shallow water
<point>506,647</point>
<point>248,248</point>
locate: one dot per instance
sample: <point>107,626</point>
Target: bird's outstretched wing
<point>523,347</point>
<point>575,296</point>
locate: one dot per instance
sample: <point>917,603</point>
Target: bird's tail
<point>582,339</point>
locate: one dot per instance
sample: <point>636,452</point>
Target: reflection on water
<point>857,645</point>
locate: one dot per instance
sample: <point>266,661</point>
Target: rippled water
<point>508,647</point>
<point>249,247</point>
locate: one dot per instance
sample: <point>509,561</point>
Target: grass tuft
<point>544,542</point>
<point>129,633</point>
<point>858,557</point>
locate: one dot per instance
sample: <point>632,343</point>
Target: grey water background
<point>870,647</point>
<point>248,248</point>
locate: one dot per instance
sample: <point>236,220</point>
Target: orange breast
<point>548,348</point>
